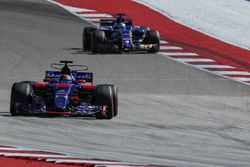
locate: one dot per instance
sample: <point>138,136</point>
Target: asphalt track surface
<point>169,113</point>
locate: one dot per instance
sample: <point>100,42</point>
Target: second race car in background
<point>118,35</point>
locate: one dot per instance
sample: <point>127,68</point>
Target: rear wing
<point>87,76</point>
<point>106,22</point>
<point>110,22</point>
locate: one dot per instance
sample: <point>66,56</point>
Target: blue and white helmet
<point>121,26</point>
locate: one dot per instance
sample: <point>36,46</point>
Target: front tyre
<point>153,37</point>
<point>20,94</point>
<point>115,97</point>
<point>104,97</point>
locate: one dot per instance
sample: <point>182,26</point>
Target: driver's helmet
<point>121,26</point>
<point>65,79</point>
<point>120,20</point>
<point>66,70</point>
<point>66,75</point>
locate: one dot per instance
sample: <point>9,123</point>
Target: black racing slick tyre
<point>86,38</point>
<point>153,37</point>
<point>104,97</point>
<point>98,37</point>
<point>20,93</point>
<point>115,97</point>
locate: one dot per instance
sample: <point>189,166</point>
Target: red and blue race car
<point>65,92</point>
<point>118,35</point>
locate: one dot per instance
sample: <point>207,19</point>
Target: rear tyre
<point>104,97</point>
<point>86,38</point>
<point>153,37</point>
<point>20,93</point>
<point>98,37</point>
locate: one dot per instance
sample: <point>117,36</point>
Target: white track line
<point>72,10</point>
<point>32,155</point>
<point>207,68</point>
<point>178,54</point>
<point>15,149</point>
<point>190,60</point>
<point>82,161</point>
<point>93,19</point>
<point>120,165</point>
<point>90,15</point>
<point>75,10</point>
<point>163,42</point>
<point>233,72</point>
<point>241,79</point>
<point>171,48</point>
<point>214,66</point>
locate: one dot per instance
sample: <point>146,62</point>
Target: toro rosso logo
<point>84,75</point>
<point>53,74</point>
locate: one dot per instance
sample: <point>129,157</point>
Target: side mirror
<point>46,80</point>
<point>81,81</point>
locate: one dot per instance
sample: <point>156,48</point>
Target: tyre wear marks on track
<point>169,48</point>
<point>15,154</point>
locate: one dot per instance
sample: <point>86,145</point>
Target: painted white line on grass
<point>190,60</point>
<point>178,54</point>
<point>95,15</point>
<point>171,47</point>
<point>214,66</point>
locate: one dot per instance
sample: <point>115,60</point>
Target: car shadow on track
<point>75,50</point>
<point>7,114</point>
<point>80,51</point>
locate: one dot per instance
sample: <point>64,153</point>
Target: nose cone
<point>62,92</point>
<point>61,102</point>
